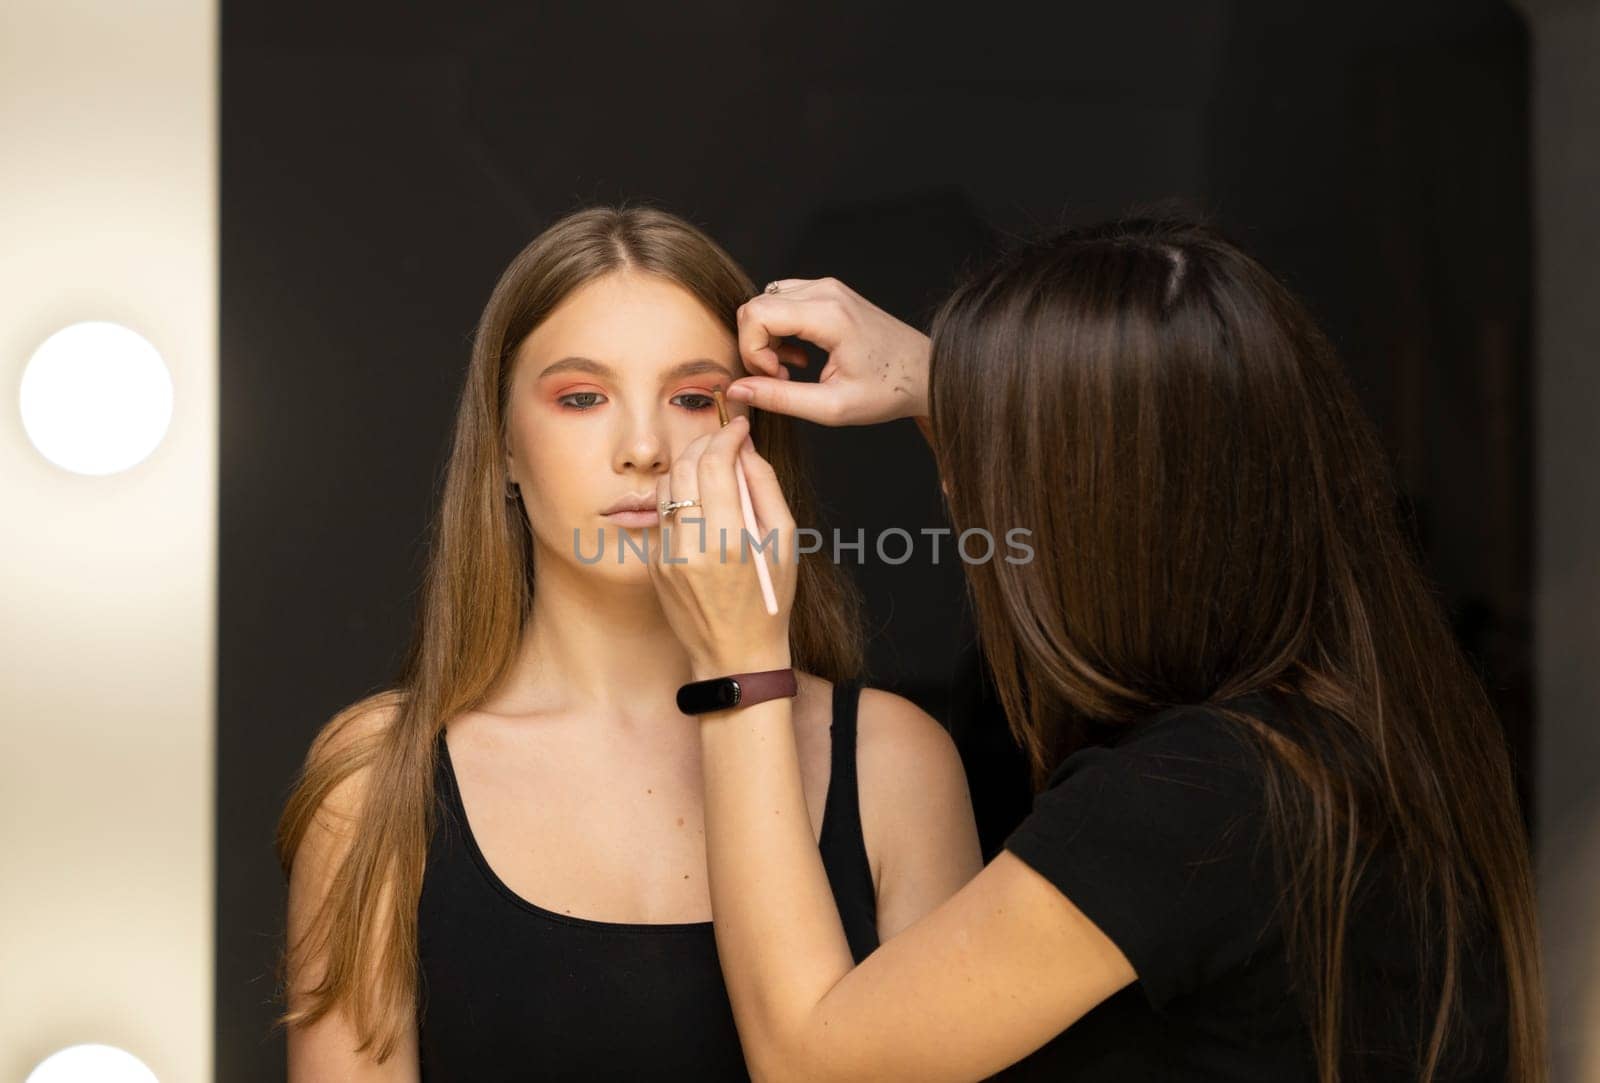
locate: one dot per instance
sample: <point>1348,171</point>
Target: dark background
<point>382,163</point>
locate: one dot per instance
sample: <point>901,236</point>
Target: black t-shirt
<point>1159,837</point>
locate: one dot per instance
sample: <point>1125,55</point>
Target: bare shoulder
<point>336,763</point>
<point>916,812</point>
<point>896,737</point>
<point>354,730</point>
<point>904,757</point>
<point>316,832</point>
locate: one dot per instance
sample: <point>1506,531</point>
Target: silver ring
<point>772,287</point>
<point>670,506</point>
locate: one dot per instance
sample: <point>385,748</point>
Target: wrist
<point>917,407</point>
<point>754,661</point>
<point>736,692</point>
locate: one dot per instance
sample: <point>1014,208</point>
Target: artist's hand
<point>714,603</point>
<point>877,367</point>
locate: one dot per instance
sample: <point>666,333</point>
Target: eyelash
<point>709,401</point>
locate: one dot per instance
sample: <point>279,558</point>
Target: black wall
<point>382,163</point>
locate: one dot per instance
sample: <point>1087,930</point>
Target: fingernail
<point>738,391</point>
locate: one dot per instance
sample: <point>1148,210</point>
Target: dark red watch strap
<point>764,685</point>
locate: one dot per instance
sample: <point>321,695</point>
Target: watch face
<point>717,694</point>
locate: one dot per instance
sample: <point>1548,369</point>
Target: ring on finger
<point>670,506</point>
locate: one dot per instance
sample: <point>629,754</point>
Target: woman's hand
<point>707,580</point>
<point>877,367</point>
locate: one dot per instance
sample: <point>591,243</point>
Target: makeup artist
<point>1275,836</point>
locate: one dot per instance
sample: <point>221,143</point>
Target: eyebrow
<point>683,368</point>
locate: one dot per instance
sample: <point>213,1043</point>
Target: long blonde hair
<point>476,597</point>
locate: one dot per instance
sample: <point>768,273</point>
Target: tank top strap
<point>843,843</point>
<point>449,812</point>
<point>444,793</point>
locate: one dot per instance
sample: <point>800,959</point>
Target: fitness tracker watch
<point>736,690</point>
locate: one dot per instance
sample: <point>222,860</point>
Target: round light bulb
<point>91,1064</point>
<point>96,398</point>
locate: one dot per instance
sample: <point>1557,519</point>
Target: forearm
<point>972,985</point>
<point>778,931</point>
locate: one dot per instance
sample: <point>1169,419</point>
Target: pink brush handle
<point>767,593</point>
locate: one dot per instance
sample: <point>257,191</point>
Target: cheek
<point>550,462</point>
<point>558,470</point>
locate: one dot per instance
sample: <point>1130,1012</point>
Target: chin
<point>635,544</point>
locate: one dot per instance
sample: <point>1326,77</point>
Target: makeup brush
<point>767,593</point>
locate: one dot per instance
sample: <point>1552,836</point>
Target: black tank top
<point>510,991</point>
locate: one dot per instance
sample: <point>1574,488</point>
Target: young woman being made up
<point>497,868</point>
<point>1277,837</point>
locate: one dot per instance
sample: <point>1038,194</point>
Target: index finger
<point>766,319</point>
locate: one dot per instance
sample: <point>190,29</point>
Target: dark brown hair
<point>1213,517</point>
<point>476,597</point>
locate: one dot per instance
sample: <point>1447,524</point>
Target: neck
<point>594,645</point>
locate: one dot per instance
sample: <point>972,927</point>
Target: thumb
<point>817,402</point>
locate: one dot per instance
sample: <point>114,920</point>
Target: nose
<point>641,446</point>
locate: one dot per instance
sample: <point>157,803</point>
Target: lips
<point>634,512</point>
<point>633,502</point>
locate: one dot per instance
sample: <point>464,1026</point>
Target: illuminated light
<point>96,398</point>
<point>91,1064</point>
